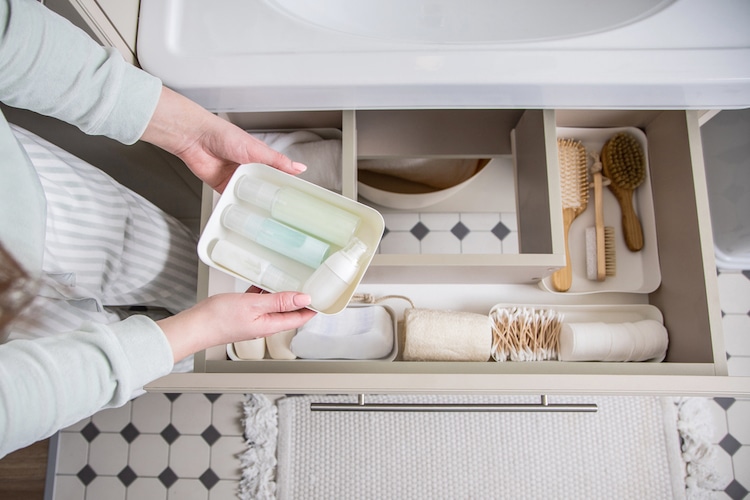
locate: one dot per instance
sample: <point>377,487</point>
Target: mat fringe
<point>696,426</point>
<point>259,460</point>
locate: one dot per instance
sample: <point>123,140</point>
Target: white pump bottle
<point>337,272</point>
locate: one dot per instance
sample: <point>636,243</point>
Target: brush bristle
<point>623,161</point>
<point>610,257</point>
<point>574,183</point>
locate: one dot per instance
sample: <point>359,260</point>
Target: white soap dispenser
<point>336,273</point>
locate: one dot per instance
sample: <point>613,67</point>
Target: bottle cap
<point>354,250</point>
<point>241,221</point>
<point>345,262</point>
<point>257,192</point>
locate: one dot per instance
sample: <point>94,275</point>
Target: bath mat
<point>630,448</point>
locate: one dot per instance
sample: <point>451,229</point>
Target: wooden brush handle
<point>631,225</point>
<point>563,277</point>
<point>601,264</point>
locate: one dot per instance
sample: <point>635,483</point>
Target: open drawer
<point>686,296</point>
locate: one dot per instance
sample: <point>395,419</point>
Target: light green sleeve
<point>49,66</point>
<point>50,383</point>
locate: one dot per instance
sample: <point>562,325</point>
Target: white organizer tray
<point>370,230</point>
<point>637,272</point>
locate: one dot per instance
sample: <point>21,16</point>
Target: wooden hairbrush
<point>624,164</point>
<point>574,184</point>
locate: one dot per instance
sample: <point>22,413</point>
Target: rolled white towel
<point>645,340</point>
<point>437,335</point>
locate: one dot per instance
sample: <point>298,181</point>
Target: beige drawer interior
<point>687,296</point>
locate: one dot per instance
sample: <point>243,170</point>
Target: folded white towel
<point>322,156</point>
<point>355,333</point>
<point>436,335</point>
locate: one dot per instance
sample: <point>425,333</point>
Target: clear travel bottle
<point>300,210</point>
<point>331,279</point>
<point>275,235</point>
<point>255,269</point>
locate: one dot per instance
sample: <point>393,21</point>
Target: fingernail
<point>302,300</point>
<point>299,167</point>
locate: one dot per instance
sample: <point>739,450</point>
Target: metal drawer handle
<point>543,406</point>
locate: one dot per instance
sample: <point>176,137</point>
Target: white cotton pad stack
<point>644,340</point>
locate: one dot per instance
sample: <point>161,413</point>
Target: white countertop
<point>242,55</point>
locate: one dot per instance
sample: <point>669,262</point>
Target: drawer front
<point>687,296</point>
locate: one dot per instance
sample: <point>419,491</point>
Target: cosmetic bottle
<point>300,210</point>
<point>275,235</point>
<point>253,268</point>
<point>332,278</point>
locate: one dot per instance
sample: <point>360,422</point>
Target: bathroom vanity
<point>498,93</point>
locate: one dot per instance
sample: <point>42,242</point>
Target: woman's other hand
<point>233,317</point>
<point>211,147</point>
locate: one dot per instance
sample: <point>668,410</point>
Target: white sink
<point>469,21</point>
<point>252,55</point>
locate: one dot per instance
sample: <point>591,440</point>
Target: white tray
<point>369,231</point>
<point>637,272</point>
<point>602,313</point>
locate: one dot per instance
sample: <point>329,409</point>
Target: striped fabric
<point>105,246</point>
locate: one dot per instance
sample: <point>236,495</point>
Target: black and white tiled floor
<point>186,446</point>
<point>158,446</point>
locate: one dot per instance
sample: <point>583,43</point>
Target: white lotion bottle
<point>253,268</point>
<point>300,210</point>
<point>275,235</point>
<point>331,279</point>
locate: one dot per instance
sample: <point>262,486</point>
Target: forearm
<point>209,145</point>
<point>49,66</point>
<point>232,317</point>
<point>50,383</point>
<point>178,123</point>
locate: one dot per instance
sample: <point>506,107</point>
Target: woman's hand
<point>233,317</point>
<point>210,146</point>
